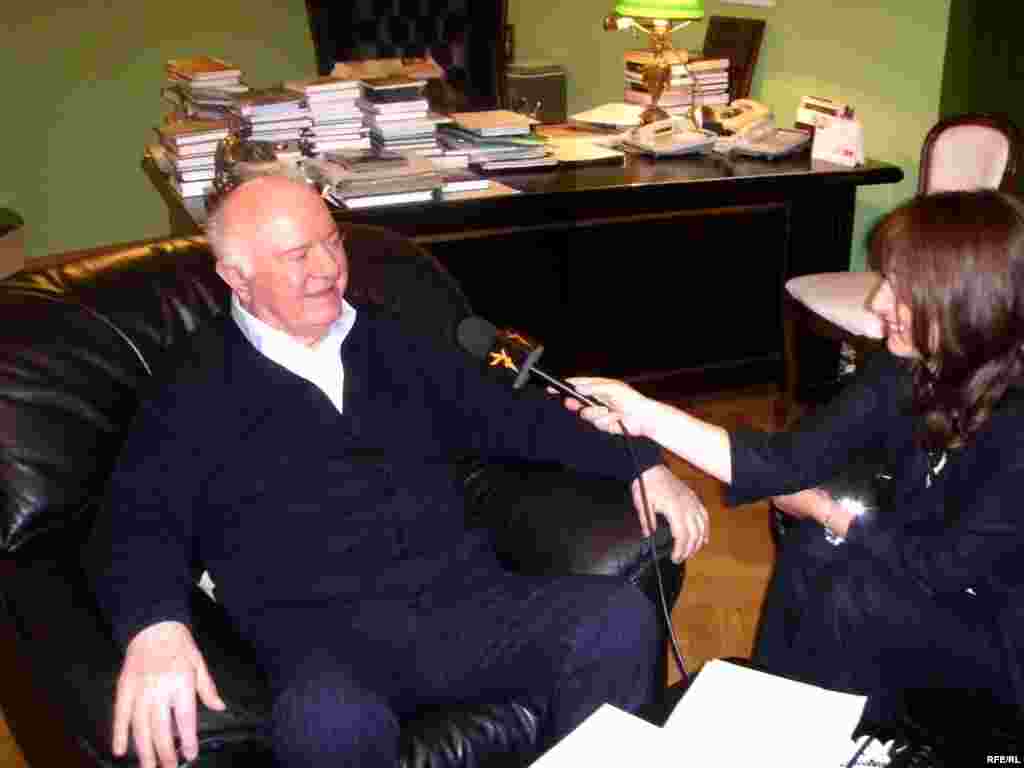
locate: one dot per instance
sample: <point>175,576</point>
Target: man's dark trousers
<point>344,682</point>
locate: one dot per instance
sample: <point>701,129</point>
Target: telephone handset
<point>668,137</point>
<point>742,118</point>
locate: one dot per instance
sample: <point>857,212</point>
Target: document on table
<point>609,738</point>
<point>733,715</point>
<point>583,150</point>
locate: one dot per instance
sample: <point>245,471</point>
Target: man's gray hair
<point>226,246</point>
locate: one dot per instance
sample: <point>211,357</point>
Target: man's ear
<point>238,282</point>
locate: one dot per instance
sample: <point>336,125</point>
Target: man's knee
<point>628,627</point>
<point>634,614</point>
<point>323,718</point>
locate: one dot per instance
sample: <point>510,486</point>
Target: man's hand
<point>156,695</point>
<point>674,500</point>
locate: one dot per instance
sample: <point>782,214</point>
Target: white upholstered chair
<point>969,151</point>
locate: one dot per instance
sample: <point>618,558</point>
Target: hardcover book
<point>390,82</point>
<point>393,107</point>
<point>190,150</point>
<point>192,131</point>
<point>391,88</point>
<point>636,61</point>
<point>463,181</point>
<point>266,98</point>
<point>202,68</point>
<point>324,84</point>
<point>494,122</point>
<point>393,198</point>
<point>708,65</point>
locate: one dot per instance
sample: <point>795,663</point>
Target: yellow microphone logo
<point>502,358</point>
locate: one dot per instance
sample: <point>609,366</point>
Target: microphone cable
<point>677,655</point>
<point>567,389</point>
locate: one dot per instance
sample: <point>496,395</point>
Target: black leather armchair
<point>78,341</point>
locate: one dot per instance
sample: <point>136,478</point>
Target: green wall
<point>82,94</point>
<point>883,57</point>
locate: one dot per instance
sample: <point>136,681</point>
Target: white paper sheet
<point>609,738</point>
<point>733,715</point>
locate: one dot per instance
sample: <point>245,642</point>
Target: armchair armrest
<point>66,665</point>
<point>547,518</point>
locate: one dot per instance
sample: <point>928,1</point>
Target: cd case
<point>784,141</point>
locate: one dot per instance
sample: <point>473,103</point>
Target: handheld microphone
<point>513,351</point>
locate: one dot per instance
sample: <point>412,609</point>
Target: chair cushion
<point>841,298</point>
<point>968,157</point>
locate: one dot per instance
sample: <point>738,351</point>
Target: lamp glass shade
<point>661,9</point>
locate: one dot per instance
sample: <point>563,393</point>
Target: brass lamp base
<point>658,71</point>
<point>653,114</point>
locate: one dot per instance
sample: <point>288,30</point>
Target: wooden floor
<point>716,615</point>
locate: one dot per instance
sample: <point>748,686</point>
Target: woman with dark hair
<point>927,590</point>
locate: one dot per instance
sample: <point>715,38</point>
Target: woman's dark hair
<point>957,259</point>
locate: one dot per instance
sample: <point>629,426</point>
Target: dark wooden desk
<point>643,269</point>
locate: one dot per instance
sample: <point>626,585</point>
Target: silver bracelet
<point>831,536</point>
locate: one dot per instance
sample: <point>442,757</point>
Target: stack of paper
<point>734,715</point>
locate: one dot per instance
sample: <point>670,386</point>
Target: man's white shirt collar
<point>319,364</point>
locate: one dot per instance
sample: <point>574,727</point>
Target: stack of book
<point>202,87</point>
<point>398,115</point>
<point>710,81</point>
<point>337,121</point>
<point>679,92</point>
<point>271,114</point>
<point>697,82</point>
<point>187,152</point>
<point>204,71</point>
<point>497,140</point>
<point>374,178</point>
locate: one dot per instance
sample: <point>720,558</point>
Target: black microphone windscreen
<point>476,336</point>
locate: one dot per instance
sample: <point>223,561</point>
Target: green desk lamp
<point>658,19</point>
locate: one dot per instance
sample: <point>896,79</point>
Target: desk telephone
<point>673,136</point>
<point>742,118</point>
<point>745,127</point>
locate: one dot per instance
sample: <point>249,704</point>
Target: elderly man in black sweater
<point>299,449</point>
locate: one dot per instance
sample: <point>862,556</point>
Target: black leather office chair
<point>465,37</point>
